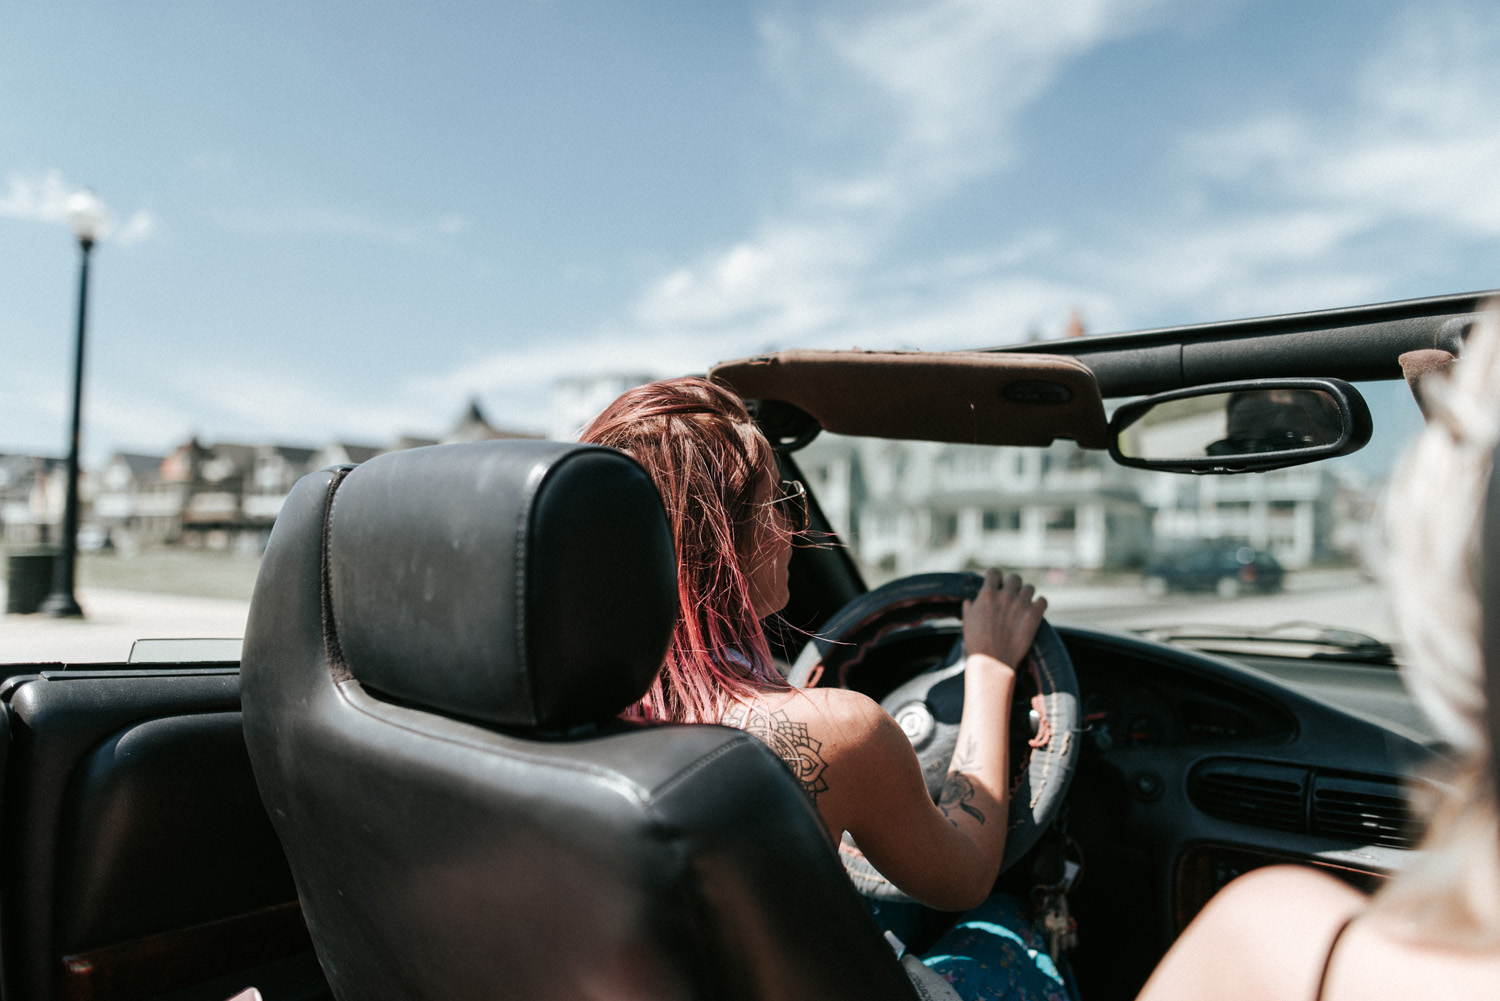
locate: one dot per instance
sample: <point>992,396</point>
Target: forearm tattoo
<point>967,756</point>
<point>958,793</point>
<point>790,742</point>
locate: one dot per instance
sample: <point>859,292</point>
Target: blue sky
<point>343,220</point>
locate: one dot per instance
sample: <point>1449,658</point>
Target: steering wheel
<point>916,618</point>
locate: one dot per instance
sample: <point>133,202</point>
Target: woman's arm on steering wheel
<point>946,854</point>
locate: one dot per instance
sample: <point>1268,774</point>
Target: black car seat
<point>438,646</point>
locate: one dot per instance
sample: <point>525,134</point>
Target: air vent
<point>1364,811</point>
<point>1250,792</point>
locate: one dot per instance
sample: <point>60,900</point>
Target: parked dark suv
<point>1227,567</point>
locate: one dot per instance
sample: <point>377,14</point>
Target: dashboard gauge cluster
<point>1128,707</point>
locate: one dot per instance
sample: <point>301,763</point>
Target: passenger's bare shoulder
<point>845,714</point>
<point>1254,908</point>
<point>1272,885</point>
<point>1264,936</point>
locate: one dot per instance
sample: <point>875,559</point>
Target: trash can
<point>28,579</point>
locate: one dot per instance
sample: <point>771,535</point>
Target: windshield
<point>1288,560</point>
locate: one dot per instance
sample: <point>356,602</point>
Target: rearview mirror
<point>1241,426</point>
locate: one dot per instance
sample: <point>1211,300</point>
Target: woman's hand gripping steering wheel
<point>923,610</point>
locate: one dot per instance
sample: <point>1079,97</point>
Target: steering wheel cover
<point>934,601</point>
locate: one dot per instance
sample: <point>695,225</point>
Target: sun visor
<point>961,396</point>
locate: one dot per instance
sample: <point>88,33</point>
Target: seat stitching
<point>608,775</point>
<point>333,650</point>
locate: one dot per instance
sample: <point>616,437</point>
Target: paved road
<point>116,618</point>
<point>1342,598</point>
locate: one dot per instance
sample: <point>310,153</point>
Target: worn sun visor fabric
<point>966,397</point>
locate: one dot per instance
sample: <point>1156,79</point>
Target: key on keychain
<point>1062,930</point>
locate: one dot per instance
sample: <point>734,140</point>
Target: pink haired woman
<point>733,525</point>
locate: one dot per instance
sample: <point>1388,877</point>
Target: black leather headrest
<point>523,584</point>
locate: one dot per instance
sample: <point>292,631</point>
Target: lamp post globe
<point>88,217</point>
<point>89,220</point>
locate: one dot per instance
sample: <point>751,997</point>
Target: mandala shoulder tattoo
<point>790,742</point>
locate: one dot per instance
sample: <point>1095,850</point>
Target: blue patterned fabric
<point>994,952</point>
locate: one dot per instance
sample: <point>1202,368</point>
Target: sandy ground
<point>114,619</point>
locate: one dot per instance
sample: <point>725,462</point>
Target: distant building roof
<point>473,426</point>
<point>344,451</point>
<point>142,467</point>
<point>243,456</point>
<point>359,453</point>
<point>29,461</point>
<point>292,455</point>
<point>22,470</point>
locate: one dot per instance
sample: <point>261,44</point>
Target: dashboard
<point>1195,768</point>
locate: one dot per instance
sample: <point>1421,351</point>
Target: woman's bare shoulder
<point>1273,885</point>
<point>844,714</point>
<point>846,728</point>
<point>1268,935</point>
<point>834,741</point>
<point>1264,936</point>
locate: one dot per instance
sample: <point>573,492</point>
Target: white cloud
<point>1328,197</point>
<point>138,227</point>
<point>951,76</point>
<point>279,406</point>
<point>979,313</point>
<point>949,79</point>
<point>1192,262</point>
<point>344,224</point>
<point>305,222</point>
<point>115,418</point>
<point>37,198</point>
<point>241,404</point>
<point>788,280</point>
<point>970,313</point>
<point>37,412</point>
<point>43,197</point>
<point>946,79</point>
<point>121,420</point>
<point>537,364</point>
<point>1422,143</point>
<point>957,72</point>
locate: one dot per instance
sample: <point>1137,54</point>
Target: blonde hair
<point>1450,894</point>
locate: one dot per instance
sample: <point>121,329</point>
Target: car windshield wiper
<point>1310,639</point>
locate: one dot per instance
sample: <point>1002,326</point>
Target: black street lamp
<point>89,219</point>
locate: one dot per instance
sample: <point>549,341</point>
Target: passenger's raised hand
<point>1001,621</point>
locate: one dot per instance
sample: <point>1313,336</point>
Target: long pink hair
<point>711,464</point>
